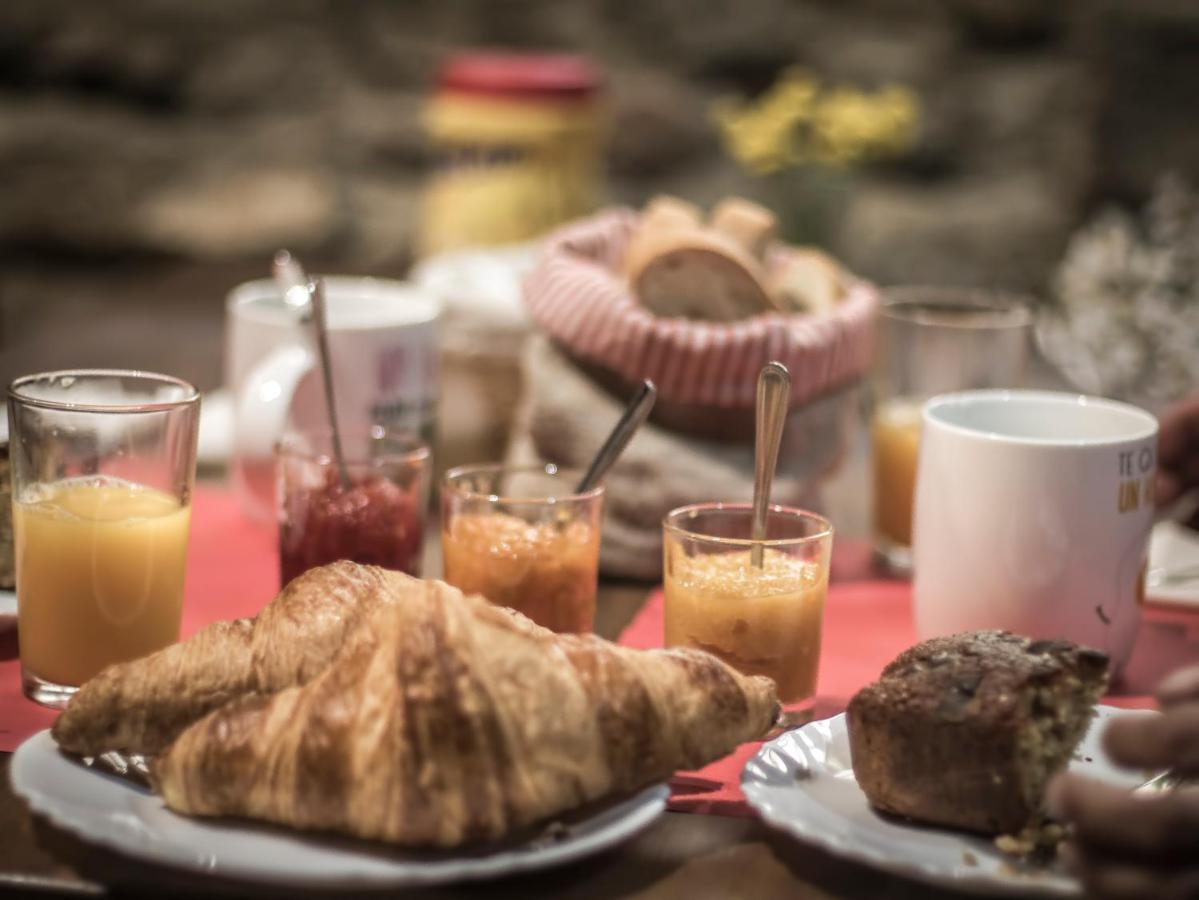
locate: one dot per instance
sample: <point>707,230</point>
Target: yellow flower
<point>797,122</point>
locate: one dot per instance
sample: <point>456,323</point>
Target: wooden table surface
<point>681,855</point>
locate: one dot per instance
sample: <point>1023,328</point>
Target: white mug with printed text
<point>1033,511</point>
<point>384,348</point>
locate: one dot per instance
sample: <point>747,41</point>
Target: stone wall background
<point>153,152</point>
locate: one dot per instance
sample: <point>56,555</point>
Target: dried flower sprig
<point>1125,317</point>
<point>800,122</point>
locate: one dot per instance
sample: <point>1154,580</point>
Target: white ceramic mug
<point>384,347</point>
<point>1032,513</point>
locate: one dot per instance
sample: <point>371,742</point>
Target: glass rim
<point>792,512</point>
<point>414,449</point>
<point>551,469</point>
<point>191,399</point>
<point>918,305</point>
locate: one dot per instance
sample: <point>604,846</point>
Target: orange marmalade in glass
<point>546,570</point>
<point>761,621</point>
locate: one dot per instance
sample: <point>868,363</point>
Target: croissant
<point>140,706</point>
<point>461,722</point>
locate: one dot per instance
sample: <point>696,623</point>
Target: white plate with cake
<point>948,751</point>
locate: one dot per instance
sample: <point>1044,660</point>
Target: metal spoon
<point>293,283</point>
<point>321,315</point>
<point>774,390</point>
<point>634,415</point>
<point>1162,781</point>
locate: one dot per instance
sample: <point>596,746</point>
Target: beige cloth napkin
<point>564,418</point>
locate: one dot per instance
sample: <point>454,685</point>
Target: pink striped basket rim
<point>577,296</point>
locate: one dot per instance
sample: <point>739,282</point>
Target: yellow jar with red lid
<point>517,142</point>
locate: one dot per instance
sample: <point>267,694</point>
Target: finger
<point>1158,826</point>
<point>1168,487</point>
<point>1166,741</point>
<point>1180,686</point>
<point>1178,431</point>
<point>1109,880</point>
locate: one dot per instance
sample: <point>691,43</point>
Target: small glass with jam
<point>375,515</point>
<point>762,620</point>
<point>523,538</point>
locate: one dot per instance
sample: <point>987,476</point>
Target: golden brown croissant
<point>461,722</point>
<point>140,706</point>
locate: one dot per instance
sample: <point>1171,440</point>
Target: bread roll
<point>698,275</point>
<point>751,226</point>
<point>807,281</point>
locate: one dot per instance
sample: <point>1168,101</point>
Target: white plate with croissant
<point>119,814</point>
<point>371,729</point>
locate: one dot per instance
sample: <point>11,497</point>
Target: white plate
<point>132,820</point>
<point>827,808</point>
<point>1173,576</point>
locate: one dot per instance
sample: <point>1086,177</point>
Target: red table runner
<point>233,571</point>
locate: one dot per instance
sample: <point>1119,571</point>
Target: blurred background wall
<point>155,152</point>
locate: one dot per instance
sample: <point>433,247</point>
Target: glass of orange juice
<point>525,539</point>
<point>103,464</point>
<point>762,620</point>
<point>932,340</point>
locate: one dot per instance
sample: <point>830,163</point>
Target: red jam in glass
<point>373,521</point>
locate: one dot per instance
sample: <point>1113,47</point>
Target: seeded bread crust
<point>943,736</point>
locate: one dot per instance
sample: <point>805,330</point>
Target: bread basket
<point>597,343</point>
<point>578,297</point>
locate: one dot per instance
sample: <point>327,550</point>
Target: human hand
<point>1178,452</point>
<point>1139,845</point>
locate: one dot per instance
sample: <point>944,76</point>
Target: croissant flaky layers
<point>142,705</point>
<point>436,719</point>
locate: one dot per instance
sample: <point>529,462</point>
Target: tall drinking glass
<point>932,341</point>
<point>760,620</point>
<point>103,465</point>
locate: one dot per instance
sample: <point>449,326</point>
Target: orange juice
<point>763,621</point>
<point>100,566</point>
<point>896,449</point>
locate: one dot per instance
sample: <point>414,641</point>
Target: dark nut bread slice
<point>965,731</point>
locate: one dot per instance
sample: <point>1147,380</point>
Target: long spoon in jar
<point>622,432</point>
<point>320,314</point>
<point>293,283</point>
<point>774,392</point>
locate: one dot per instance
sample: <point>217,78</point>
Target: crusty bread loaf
<point>751,226</point>
<point>698,275</point>
<point>965,731</point>
<point>680,268</point>
<point>806,280</point>
<point>665,211</point>
<point>732,267</point>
